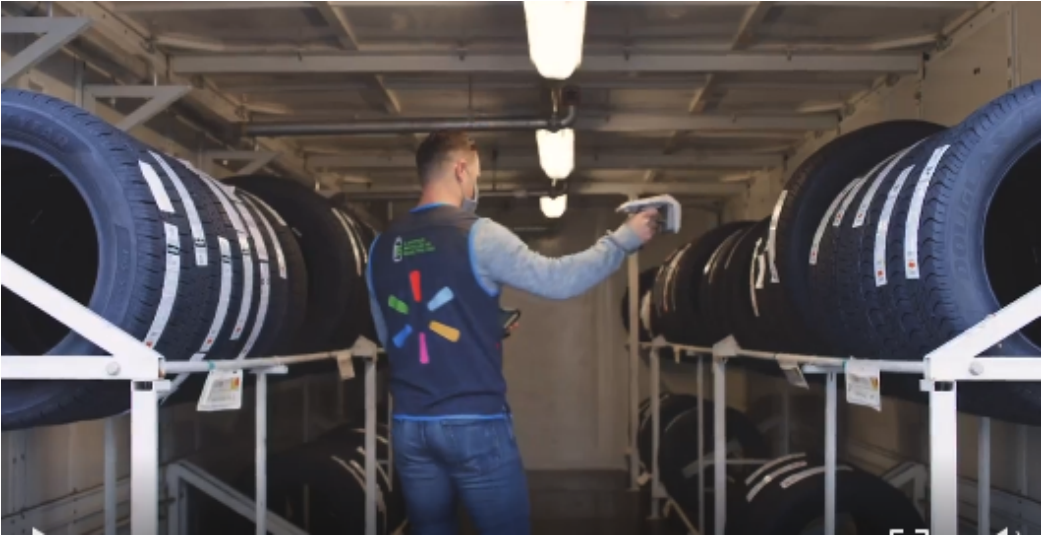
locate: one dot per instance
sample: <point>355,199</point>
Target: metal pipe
<point>701,442</point>
<point>983,481</point>
<point>655,425</point>
<point>830,452</point>
<point>634,369</point>
<point>412,126</point>
<point>111,459</point>
<point>371,491</point>
<point>261,453</point>
<point>720,439</point>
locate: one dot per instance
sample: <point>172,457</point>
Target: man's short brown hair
<point>437,147</point>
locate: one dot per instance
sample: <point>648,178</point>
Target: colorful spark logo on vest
<point>444,296</point>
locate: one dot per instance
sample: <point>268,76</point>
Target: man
<point>434,281</point>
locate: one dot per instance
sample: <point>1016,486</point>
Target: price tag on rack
<point>863,384</point>
<point>222,391</point>
<point>793,372</point>
<point>345,362</point>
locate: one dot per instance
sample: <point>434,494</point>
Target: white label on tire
<point>882,231</point>
<point>251,225</point>
<point>795,478</point>
<point>202,258</point>
<point>865,204</point>
<point>769,478</point>
<point>171,279</point>
<point>247,293</point>
<point>771,243</point>
<point>354,246</point>
<point>914,214</point>
<point>645,311</point>
<point>841,213</point>
<point>774,463</point>
<point>757,263</point>
<point>258,322</point>
<point>280,258</point>
<point>823,224</point>
<point>155,184</point>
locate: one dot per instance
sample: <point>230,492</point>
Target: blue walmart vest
<point>443,331</point>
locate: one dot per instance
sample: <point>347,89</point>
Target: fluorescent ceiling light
<point>553,207</point>
<point>556,29</point>
<point>556,152</point>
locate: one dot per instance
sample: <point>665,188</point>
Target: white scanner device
<point>667,206</point>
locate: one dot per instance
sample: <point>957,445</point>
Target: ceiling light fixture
<point>553,207</point>
<point>556,29</point>
<point>556,152</point>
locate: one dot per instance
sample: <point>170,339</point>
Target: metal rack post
<point>983,478</point>
<point>830,455</point>
<point>111,460</point>
<point>655,400</point>
<point>720,437</point>
<point>701,438</point>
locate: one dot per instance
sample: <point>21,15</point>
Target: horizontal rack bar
<point>891,366</point>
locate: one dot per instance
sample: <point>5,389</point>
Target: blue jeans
<point>475,461</point>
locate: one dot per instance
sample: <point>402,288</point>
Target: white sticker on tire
<point>771,243</point>
<point>254,231</point>
<point>769,478</point>
<point>155,185</point>
<point>354,246</point>
<point>171,279</point>
<point>262,307</point>
<point>757,263</point>
<point>882,231</point>
<point>280,258</point>
<point>914,214</point>
<point>198,235</point>
<point>795,478</point>
<point>774,463</point>
<point>823,224</point>
<point>865,204</point>
<point>841,213</point>
<point>244,248</point>
<point>226,282</point>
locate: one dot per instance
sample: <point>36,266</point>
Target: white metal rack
<point>133,361</point>
<point>956,361</point>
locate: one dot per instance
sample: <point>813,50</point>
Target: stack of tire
<point>765,495</point>
<point>198,270</point>
<point>886,243</point>
<point>319,487</point>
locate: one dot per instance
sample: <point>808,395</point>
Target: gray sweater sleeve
<point>502,258</point>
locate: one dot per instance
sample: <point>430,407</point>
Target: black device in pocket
<point>509,317</point>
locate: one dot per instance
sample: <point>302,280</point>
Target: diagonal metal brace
<point>256,160</point>
<point>56,32</point>
<point>159,99</point>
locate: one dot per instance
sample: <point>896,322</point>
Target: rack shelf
<point>146,370</point>
<point>956,361</point>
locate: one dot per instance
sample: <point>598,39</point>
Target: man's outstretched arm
<point>502,258</point>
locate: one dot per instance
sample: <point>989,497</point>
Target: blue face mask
<point>470,204</point>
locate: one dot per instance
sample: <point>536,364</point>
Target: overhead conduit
<point>552,123</point>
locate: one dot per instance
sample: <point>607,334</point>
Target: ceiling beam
<point>632,122</point>
<point>589,188</point>
<point>127,39</point>
<point>750,22</point>
<point>582,162</point>
<point>514,63</point>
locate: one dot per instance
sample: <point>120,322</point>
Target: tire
<point>670,406</point>
<point>711,298</point>
<point>361,314</point>
<point>808,194</point>
<point>294,279</point>
<point>135,266</point>
<point>328,256</point>
<point>791,501</point>
<point>976,233</point>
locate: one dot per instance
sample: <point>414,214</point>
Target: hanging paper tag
<point>863,384</point>
<point>222,391</point>
<point>345,362</point>
<point>793,373</point>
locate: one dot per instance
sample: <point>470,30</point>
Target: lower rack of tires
<point>943,369</point>
<point>132,360</point>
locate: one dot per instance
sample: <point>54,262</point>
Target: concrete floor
<point>581,503</point>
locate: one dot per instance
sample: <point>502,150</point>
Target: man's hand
<point>644,223</point>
